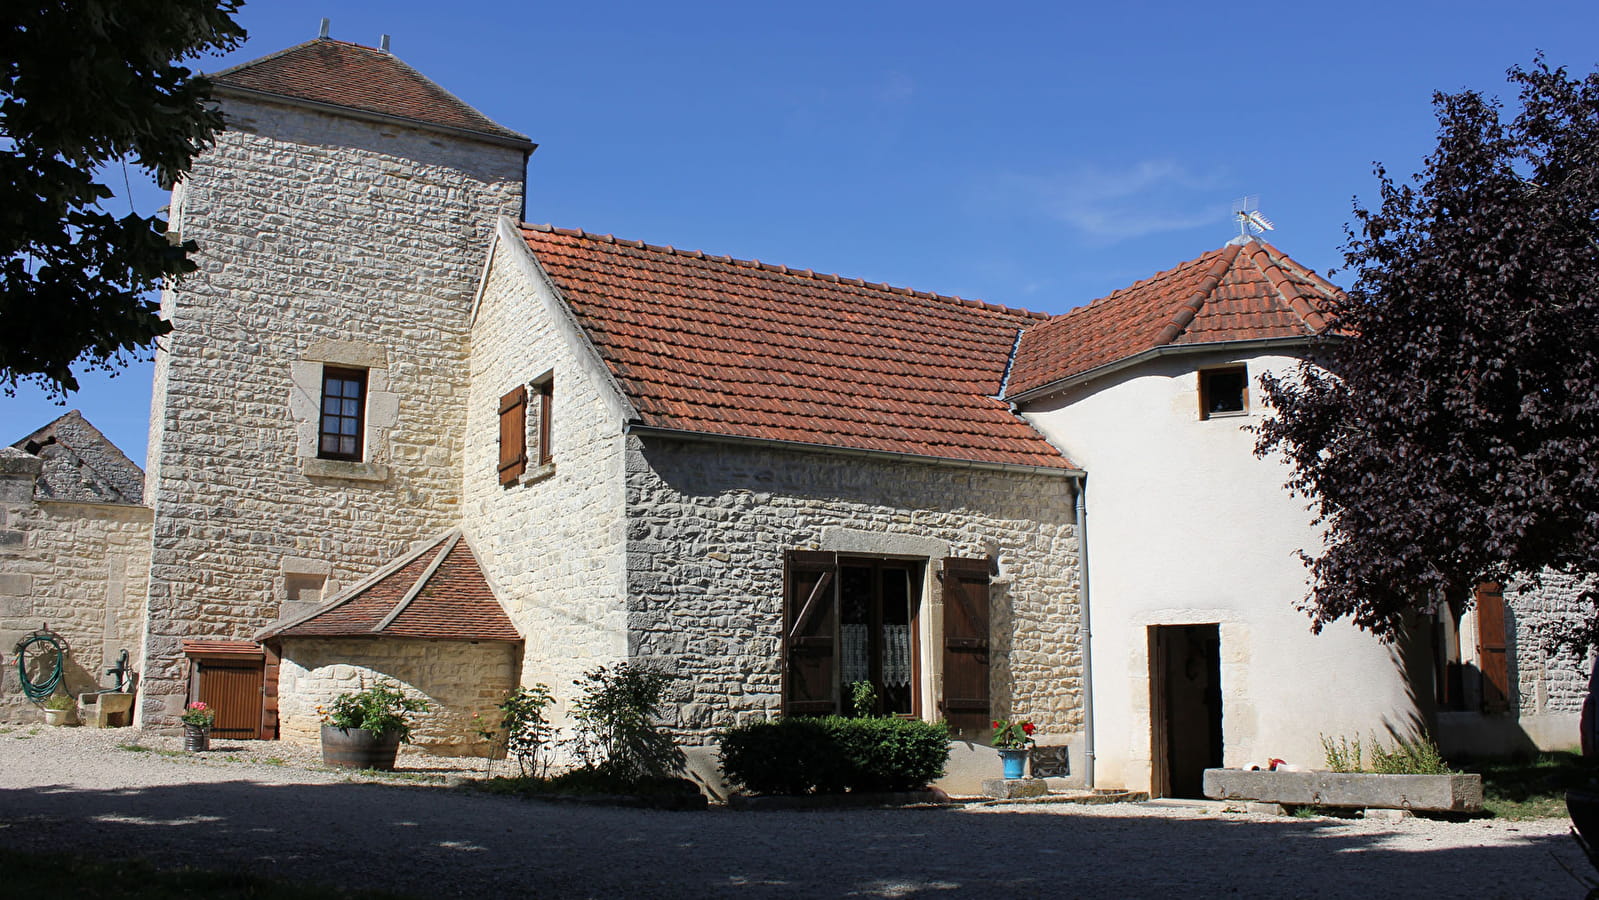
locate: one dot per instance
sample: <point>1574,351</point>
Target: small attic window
<point>1223,392</point>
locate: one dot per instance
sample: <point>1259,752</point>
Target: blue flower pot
<point>1015,763</point>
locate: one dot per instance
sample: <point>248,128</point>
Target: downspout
<point>1086,632</point>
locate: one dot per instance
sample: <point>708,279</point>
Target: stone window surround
<point>930,553</point>
<point>305,408</point>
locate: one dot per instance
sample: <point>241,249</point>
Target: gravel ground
<point>266,807</point>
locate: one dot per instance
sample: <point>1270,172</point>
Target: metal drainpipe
<point>1087,633</point>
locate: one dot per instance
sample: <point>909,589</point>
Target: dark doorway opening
<point>1185,707</point>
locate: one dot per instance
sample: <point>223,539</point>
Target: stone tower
<point>305,422</point>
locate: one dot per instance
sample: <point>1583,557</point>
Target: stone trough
<point>1420,793</point>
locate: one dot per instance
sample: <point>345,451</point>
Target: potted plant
<point>364,730</point>
<point>58,709</point>
<point>1013,741</point>
<point>197,719</point>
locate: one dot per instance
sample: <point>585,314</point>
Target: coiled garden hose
<point>39,690</point>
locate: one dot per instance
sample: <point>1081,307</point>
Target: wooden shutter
<point>966,693</point>
<point>513,435</point>
<point>1491,658</point>
<point>234,690</point>
<point>810,629</point>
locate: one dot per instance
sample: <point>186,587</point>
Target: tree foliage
<point>86,84</point>
<point>1452,435</point>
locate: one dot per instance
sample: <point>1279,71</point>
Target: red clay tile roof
<point>361,78</point>
<point>1236,293</point>
<point>738,348</point>
<point>438,593</point>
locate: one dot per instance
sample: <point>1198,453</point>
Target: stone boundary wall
<point>708,525</point>
<point>316,231</point>
<point>457,678</point>
<point>78,567</point>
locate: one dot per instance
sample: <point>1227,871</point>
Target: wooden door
<point>234,690</point>
<point>1491,646</point>
<point>966,704</point>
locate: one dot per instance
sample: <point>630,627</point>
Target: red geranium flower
<point>1028,728</point>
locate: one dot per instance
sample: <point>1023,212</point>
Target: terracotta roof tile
<point>438,593</point>
<point>361,78</point>
<point>747,349</point>
<point>1235,293</point>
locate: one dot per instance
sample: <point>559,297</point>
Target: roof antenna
<point>324,32</point>
<point>1250,222</point>
<point>384,43</point>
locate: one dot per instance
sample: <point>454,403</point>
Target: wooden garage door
<point>233,689</point>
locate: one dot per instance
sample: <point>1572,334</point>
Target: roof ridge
<point>830,278</point>
<point>1290,292</point>
<point>1190,307</point>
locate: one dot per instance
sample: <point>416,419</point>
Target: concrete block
<point>1388,815</point>
<point>1014,788</point>
<point>1255,807</point>
<point>1433,793</point>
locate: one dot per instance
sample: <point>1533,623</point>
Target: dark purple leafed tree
<point>86,84</point>
<point>1452,435</point>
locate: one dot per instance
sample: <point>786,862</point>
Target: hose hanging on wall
<point>34,653</point>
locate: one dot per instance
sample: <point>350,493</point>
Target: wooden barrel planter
<point>357,748</point>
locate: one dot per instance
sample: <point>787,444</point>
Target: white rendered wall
<point>1187,526</point>
<point>552,545</point>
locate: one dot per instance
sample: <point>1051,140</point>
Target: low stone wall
<point>457,678</point>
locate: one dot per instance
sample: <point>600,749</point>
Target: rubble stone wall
<point>322,240</point>
<point>708,525</point>
<point>456,678</point>
<point>78,568</point>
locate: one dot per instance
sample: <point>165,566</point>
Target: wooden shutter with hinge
<point>513,435</point>
<point>1491,657</point>
<point>966,692</point>
<point>810,629</point>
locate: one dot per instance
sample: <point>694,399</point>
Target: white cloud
<point>1114,204</point>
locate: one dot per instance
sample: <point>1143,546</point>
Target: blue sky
<point>1036,155</point>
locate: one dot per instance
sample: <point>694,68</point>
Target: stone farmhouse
<point>398,432</point>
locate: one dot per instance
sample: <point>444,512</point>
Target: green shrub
<point>380,709</point>
<point>832,754</point>
<point>523,730</point>
<point>1418,757</point>
<point>891,754</point>
<point>784,756</point>
<point>615,723</point>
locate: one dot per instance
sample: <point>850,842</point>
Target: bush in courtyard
<point>523,730</point>
<point>615,721</point>
<point>784,756</point>
<point>832,754</point>
<point>887,754</point>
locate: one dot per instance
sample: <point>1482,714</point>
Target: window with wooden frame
<point>513,435</point>
<point>544,390</point>
<point>1223,392</point>
<point>341,432</point>
<point>848,620</point>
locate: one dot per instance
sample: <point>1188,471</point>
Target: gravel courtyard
<point>258,806</point>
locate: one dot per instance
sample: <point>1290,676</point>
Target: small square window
<point>339,434</point>
<point>1223,392</point>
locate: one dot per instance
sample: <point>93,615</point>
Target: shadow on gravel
<point>433,842</point>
